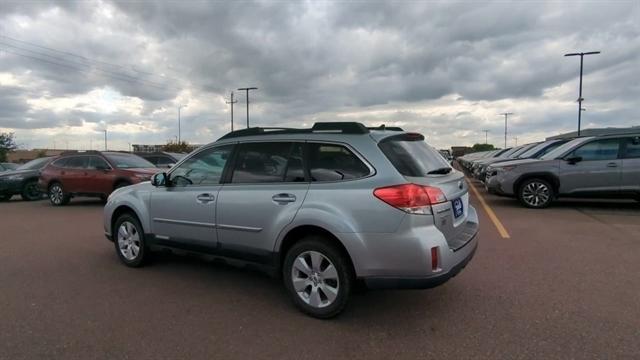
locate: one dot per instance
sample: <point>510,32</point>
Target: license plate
<point>458,208</point>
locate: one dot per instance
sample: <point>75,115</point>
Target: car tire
<point>30,191</point>
<point>57,196</point>
<point>129,241</point>
<point>318,277</point>
<point>536,193</point>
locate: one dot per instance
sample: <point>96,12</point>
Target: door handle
<point>612,164</point>
<point>283,198</point>
<point>205,198</point>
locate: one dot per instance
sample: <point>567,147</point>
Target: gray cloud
<point>314,60</point>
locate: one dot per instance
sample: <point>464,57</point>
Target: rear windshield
<point>128,161</point>
<point>411,156</point>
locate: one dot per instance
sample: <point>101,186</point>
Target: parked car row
<point>80,173</point>
<point>537,174</point>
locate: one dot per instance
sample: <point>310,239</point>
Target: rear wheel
<point>30,191</point>
<point>318,277</point>
<point>535,193</point>
<point>129,241</point>
<point>57,195</point>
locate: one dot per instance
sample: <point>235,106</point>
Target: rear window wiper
<point>442,170</point>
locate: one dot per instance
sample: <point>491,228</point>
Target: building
<point>597,132</point>
<point>22,156</point>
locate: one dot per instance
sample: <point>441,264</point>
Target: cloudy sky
<point>68,70</point>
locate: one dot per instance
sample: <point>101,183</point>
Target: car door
<point>598,168</point>
<point>631,165</point>
<point>74,174</point>
<point>265,190</point>
<point>183,213</point>
<point>100,176</point>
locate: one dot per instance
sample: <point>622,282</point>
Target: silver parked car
<point>606,166</point>
<point>322,207</point>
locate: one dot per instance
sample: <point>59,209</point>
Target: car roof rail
<point>384,127</point>
<point>338,127</point>
<point>70,152</point>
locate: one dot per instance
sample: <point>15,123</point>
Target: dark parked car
<point>92,174</point>
<point>162,159</point>
<point>23,180</point>
<point>8,166</point>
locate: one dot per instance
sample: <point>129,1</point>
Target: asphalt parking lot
<point>563,283</point>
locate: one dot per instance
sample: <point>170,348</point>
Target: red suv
<point>93,174</point>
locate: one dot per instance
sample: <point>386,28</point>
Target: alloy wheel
<point>32,192</point>
<point>128,241</point>
<point>536,194</point>
<point>315,279</point>
<point>56,194</point>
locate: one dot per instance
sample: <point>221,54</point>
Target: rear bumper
<point>420,283</point>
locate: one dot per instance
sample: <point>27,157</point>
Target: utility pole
<point>506,115</point>
<point>580,99</point>
<point>516,139</point>
<point>233,102</point>
<point>105,139</point>
<point>247,90</point>
<point>179,135</point>
<point>486,132</point>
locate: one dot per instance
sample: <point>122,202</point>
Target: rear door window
<point>332,162</point>
<point>97,162</point>
<point>411,155</point>
<point>262,162</point>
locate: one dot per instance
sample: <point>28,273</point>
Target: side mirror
<point>574,159</point>
<point>171,165</point>
<point>159,179</point>
<point>102,168</point>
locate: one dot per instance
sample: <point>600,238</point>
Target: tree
<point>7,144</point>
<point>178,147</point>
<point>483,147</point>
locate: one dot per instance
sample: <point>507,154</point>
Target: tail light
<point>411,198</point>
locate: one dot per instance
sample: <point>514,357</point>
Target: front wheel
<point>318,277</point>
<point>30,191</point>
<point>129,241</point>
<point>535,193</point>
<point>57,195</point>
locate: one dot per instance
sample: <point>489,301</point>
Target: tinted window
<point>127,161</point>
<point>328,162</point>
<point>77,162</point>
<point>204,168</point>
<point>598,150</point>
<point>633,148</point>
<point>411,156</point>
<point>261,162</point>
<point>96,162</point>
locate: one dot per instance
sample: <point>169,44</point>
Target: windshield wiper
<point>443,170</point>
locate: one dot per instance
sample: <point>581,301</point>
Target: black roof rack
<point>385,127</point>
<point>341,127</point>
<point>69,152</point>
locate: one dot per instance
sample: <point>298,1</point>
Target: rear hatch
<point>421,164</point>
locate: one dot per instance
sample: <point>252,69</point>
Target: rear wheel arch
<point>301,232</point>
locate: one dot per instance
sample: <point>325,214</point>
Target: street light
<point>486,132</point>
<point>179,135</point>
<point>580,99</point>
<point>505,127</point>
<point>105,139</point>
<point>247,90</point>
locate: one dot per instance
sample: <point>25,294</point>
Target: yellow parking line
<point>501,229</point>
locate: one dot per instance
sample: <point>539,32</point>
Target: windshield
<point>128,161</point>
<point>564,148</point>
<point>34,164</point>
<point>545,147</point>
<point>522,150</point>
<point>411,156</point>
<point>508,153</point>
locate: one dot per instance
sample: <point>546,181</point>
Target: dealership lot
<point>563,283</point>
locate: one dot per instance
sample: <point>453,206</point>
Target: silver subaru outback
<point>325,208</point>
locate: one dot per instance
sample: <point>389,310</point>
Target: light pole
<point>486,132</point>
<point>505,127</point>
<point>247,90</point>
<point>105,139</point>
<point>179,130</point>
<point>233,102</point>
<point>580,99</point>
